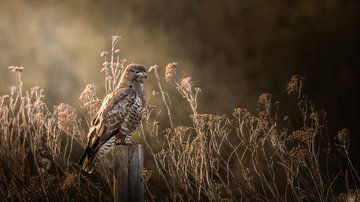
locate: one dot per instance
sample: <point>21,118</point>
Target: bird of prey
<point>118,117</point>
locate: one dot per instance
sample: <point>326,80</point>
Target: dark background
<point>235,50</point>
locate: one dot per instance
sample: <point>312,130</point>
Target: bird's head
<point>135,73</point>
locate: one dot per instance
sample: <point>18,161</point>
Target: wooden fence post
<point>128,170</point>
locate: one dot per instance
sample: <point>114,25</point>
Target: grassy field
<point>277,154</point>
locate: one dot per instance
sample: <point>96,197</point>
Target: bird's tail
<point>87,160</point>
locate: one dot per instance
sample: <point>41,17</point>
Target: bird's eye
<point>137,72</point>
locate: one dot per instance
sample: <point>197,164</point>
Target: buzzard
<point>118,117</point>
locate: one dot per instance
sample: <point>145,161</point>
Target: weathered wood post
<point>128,170</point>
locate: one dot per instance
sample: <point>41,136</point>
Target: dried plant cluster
<point>259,157</point>
<point>37,149</point>
<point>262,157</point>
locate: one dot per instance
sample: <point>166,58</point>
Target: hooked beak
<point>142,75</point>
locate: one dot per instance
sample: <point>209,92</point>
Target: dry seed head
<point>150,108</point>
<point>39,104</point>
<point>197,90</point>
<point>313,116</point>
<point>37,89</point>
<point>195,144</point>
<point>115,38</point>
<point>118,65</point>
<point>186,84</point>
<point>155,93</point>
<point>350,196</point>
<point>207,120</point>
<point>146,174</point>
<point>297,153</point>
<point>181,130</point>
<point>65,117</point>
<point>203,118</point>
<point>12,68</point>
<point>302,135</point>
<point>153,68</point>
<point>263,115</point>
<point>117,51</point>
<point>4,97</point>
<point>88,93</point>
<point>170,71</point>
<point>295,84</point>
<point>104,53</point>
<point>286,118</point>
<point>16,68</point>
<point>45,164</point>
<point>93,104</point>
<point>106,64</point>
<point>240,113</point>
<point>240,110</point>
<point>264,98</point>
<point>343,135</point>
<point>104,69</point>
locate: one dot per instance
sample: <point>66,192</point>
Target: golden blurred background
<point>234,49</point>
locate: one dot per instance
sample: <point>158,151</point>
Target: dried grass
<point>217,158</point>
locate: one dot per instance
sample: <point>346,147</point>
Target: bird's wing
<point>109,118</point>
